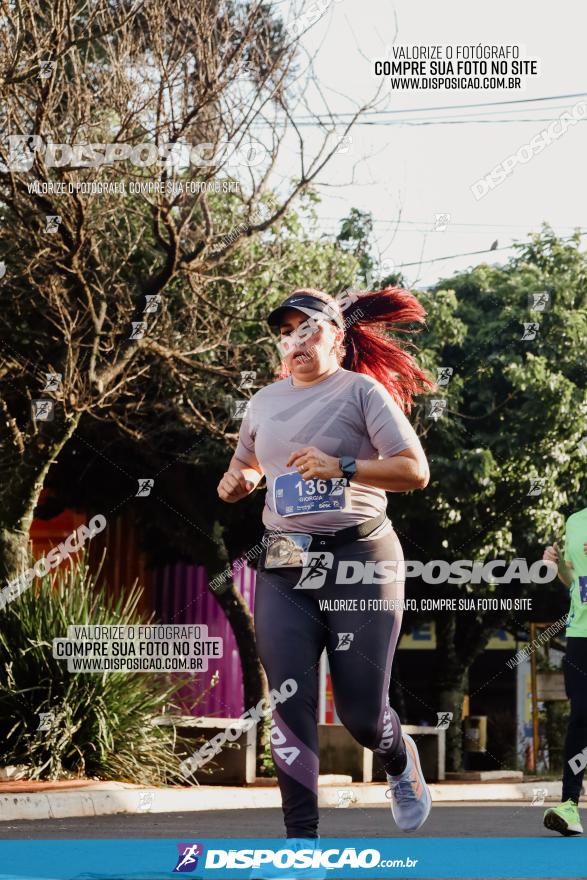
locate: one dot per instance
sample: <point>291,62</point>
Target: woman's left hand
<point>313,464</point>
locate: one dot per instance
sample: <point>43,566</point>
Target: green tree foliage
<point>355,236</point>
<point>516,412</point>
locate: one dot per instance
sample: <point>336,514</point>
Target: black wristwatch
<point>348,466</point>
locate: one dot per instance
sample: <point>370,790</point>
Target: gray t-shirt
<point>345,414</point>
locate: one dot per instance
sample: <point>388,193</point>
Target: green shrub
<point>103,723</point>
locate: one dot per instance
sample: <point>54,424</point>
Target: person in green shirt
<point>572,571</point>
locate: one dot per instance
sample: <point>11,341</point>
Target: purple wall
<point>181,595</point>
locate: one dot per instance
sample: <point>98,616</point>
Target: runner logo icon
<point>314,572</point>
<point>187,860</point>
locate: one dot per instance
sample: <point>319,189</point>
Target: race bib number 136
<point>294,496</point>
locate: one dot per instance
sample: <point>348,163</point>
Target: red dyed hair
<point>369,349</point>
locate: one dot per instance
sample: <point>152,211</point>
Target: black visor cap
<point>307,304</point>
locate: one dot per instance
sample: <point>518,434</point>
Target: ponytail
<point>367,349</point>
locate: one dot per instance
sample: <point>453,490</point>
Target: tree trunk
<point>452,680</point>
<point>18,501</point>
<point>19,497</point>
<point>255,686</point>
<point>450,699</point>
<point>13,552</point>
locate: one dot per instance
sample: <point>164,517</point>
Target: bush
<point>103,723</point>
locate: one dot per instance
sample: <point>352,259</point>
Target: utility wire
<point>451,106</point>
<point>427,225</point>
<point>506,247</point>
<point>398,122</point>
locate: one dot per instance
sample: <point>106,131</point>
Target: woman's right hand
<point>551,554</point>
<point>565,567</point>
<point>233,486</point>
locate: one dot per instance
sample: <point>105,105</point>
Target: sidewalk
<point>60,800</point>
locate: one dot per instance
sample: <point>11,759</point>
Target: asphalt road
<point>446,820</point>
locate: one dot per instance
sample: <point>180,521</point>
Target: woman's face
<point>312,351</point>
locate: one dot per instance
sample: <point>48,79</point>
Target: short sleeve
<point>389,430</point>
<point>245,450</point>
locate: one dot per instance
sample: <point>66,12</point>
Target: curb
<point>111,798</point>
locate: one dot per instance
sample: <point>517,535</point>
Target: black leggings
<point>293,626</point>
<point>575,669</point>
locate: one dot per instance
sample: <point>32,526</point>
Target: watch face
<point>348,465</point>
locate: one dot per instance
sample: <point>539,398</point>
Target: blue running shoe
<point>410,796</point>
<point>309,844</point>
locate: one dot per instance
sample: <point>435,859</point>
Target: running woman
<point>572,571</point>
<point>331,438</point>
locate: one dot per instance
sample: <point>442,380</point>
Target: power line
<point>453,257</point>
<point>398,122</point>
<point>503,111</point>
<point>468,254</point>
<point>382,116</point>
<point>452,106</point>
<point>452,223</point>
<point>472,253</point>
<point>458,120</point>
